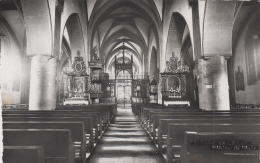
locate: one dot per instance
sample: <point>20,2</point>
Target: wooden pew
<point>23,154</point>
<point>108,111</point>
<point>104,110</point>
<point>161,133</point>
<point>204,147</point>
<point>145,111</point>
<point>156,116</point>
<point>151,121</point>
<point>150,111</point>
<point>109,108</point>
<point>57,144</point>
<point>164,125</point>
<point>76,128</point>
<point>176,133</point>
<point>86,120</point>
<point>156,108</point>
<point>95,122</point>
<point>104,113</point>
<point>112,107</point>
<point>96,119</point>
<point>101,119</point>
<point>167,111</point>
<point>137,108</point>
<point>195,112</point>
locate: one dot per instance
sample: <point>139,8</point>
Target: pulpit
<point>96,78</point>
<point>77,83</point>
<point>173,81</point>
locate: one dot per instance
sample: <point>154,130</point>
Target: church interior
<point>130,81</point>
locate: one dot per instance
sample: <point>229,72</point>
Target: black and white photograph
<point>130,81</point>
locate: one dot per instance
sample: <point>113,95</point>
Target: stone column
<point>42,85</point>
<point>213,84</point>
<point>159,92</point>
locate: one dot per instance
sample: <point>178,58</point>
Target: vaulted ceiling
<point>115,25</point>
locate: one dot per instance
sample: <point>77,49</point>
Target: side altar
<point>77,83</point>
<point>173,80</point>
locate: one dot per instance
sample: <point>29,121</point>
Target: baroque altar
<point>77,83</point>
<point>173,81</point>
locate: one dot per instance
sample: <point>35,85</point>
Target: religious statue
<point>68,85</point>
<point>168,69</point>
<point>80,88</point>
<point>240,85</point>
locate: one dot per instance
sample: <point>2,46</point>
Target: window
<point>252,45</point>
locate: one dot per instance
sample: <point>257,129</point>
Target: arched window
<point>252,45</point>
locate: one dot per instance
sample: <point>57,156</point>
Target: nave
<point>125,141</point>
<point>189,69</point>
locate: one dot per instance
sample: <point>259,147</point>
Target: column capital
<point>193,3</point>
<point>59,5</point>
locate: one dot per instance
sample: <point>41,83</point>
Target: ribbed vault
<point>124,24</point>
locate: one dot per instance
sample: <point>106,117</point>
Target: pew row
<point>216,147</point>
<point>57,144</point>
<point>96,119</point>
<point>158,120</point>
<point>23,154</point>
<point>93,119</point>
<point>153,127</point>
<point>176,134</point>
<point>76,128</point>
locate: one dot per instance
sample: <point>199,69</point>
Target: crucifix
<point>123,52</point>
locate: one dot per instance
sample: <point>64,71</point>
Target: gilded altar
<point>77,83</point>
<point>173,81</point>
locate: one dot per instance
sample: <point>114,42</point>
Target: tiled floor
<point>125,141</point>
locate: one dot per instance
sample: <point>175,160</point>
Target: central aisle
<point>125,141</point>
